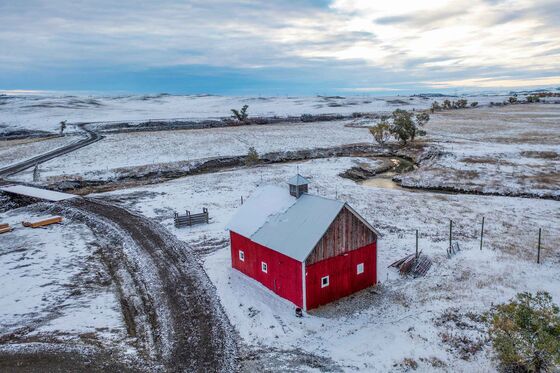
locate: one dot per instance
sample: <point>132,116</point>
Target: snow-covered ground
<point>513,149</point>
<point>44,112</point>
<point>54,284</point>
<point>404,318</point>
<point>103,159</point>
<point>14,151</point>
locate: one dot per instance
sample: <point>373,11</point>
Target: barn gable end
<point>347,232</point>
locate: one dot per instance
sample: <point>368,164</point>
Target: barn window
<point>324,281</point>
<point>264,267</point>
<point>241,256</point>
<point>360,268</point>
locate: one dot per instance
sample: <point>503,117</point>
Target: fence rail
<point>189,219</point>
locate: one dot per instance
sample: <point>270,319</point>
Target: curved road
<point>92,137</point>
<point>169,304</point>
<point>198,330</point>
<point>187,328</point>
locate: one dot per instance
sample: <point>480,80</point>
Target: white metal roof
<point>296,232</point>
<point>265,202</point>
<point>45,194</point>
<point>293,227</point>
<point>298,180</point>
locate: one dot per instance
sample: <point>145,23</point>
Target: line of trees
<point>450,105</point>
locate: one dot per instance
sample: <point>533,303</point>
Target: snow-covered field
<point>19,150</point>
<point>102,159</point>
<point>54,284</point>
<point>404,318</point>
<point>44,112</point>
<point>513,149</point>
<point>433,321</point>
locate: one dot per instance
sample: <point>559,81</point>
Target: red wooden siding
<point>343,277</point>
<point>283,273</point>
<point>346,233</point>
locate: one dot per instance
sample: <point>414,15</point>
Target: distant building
<point>308,249</point>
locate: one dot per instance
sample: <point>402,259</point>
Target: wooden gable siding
<point>346,233</point>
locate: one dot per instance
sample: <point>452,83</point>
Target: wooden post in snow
<point>450,234</point>
<point>539,248</point>
<point>417,244</point>
<point>241,199</point>
<point>481,233</point>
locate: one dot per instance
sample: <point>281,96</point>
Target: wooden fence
<point>189,219</point>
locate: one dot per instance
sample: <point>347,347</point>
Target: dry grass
<point>540,154</point>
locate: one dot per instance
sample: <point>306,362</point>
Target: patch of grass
<point>540,154</point>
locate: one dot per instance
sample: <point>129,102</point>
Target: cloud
<point>366,41</point>
<point>497,83</point>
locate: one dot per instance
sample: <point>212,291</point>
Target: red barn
<point>308,249</point>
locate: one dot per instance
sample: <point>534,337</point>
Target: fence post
<point>241,199</point>
<point>417,244</point>
<point>450,234</point>
<point>539,248</point>
<point>481,233</point>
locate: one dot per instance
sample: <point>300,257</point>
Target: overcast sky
<point>279,47</point>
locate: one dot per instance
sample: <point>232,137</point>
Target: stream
<point>385,180</point>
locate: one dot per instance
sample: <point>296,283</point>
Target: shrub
<point>461,104</point>
<point>241,115</point>
<point>422,119</point>
<point>474,104</point>
<point>512,100</point>
<point>252,157</point>
<point>381,133</point>
<point>435,106</point>
<point>525,333</point>
<point>306,118</point>
<point>62,127</point>
<point>533,98</point>
<point>446,105</point>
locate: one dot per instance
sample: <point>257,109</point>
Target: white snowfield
<point>39,193</point>
<point>49,282</point>
<point>44,112</point>
<point>513,150</point>
<point>20,150</point>
<point>374,331</point>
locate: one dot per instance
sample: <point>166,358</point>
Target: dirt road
<point>199,337</point>
<point>91,137</point>
<point>172,313</point>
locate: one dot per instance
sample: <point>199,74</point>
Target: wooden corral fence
<point>189,219</point>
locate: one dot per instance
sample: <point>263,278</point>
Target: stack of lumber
<point>413,265</point>
<point>42,221</point>
<point>4,228</point>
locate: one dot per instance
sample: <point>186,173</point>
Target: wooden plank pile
<point>42,221</point>
<point>189,219</point>
<point>5,228</point>
<point>413,265</point>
